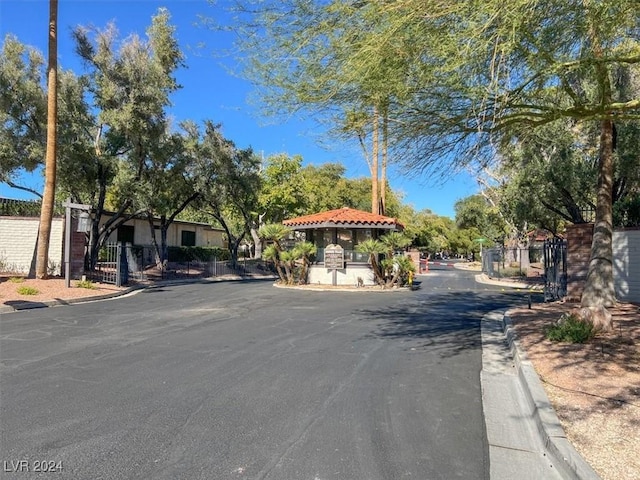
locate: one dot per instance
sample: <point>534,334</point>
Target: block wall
<point>18,238</point>
<point>626,265</point>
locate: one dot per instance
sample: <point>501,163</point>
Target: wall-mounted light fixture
<point>84,222</point>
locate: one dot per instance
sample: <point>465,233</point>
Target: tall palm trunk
<point>375,207</point>
<point>383,170</point>
<point>46,211</point>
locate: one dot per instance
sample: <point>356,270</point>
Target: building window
<point>345,240</point>
<point>188,239</point>
<point>361,235</point>
<point>126,233</point>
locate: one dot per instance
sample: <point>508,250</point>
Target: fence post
<point>118,264</point>
<point>123,265</point>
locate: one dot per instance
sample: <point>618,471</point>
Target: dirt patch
<point>594,387</point>
<point>50,289</point>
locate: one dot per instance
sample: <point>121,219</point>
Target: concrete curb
<point>567,459</point>
<point>27,305</point>
<point>338,288</point>
<point>483,278</point>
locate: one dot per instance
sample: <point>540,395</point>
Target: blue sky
<point>210,91</point>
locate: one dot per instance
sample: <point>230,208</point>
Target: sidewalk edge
<point>568,460</point>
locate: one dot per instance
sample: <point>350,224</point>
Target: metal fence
<point>555,267</point>
<point>545,265</point>
<point>513,262</point>
<point>121,264</point>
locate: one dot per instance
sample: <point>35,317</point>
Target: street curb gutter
<point>27,305</point>
<point>567,459</point>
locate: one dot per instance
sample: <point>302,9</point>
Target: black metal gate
<point>118,263</point>
<point>555,269</point>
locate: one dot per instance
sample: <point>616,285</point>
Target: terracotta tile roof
<point>344,217</point>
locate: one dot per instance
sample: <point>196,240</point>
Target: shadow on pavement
<point>448,323</point>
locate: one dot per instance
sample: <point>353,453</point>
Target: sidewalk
<point>526,440</point>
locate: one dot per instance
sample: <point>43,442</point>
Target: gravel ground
<point>594,387</point>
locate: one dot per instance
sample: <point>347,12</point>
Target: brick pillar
<point>579,238</point>
<point>78,241</point>
<point>414,255</point>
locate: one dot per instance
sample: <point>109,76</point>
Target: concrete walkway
<point>526,439</point>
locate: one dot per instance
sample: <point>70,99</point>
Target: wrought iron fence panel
<point>555,269</point>
<point>120,263</point>
<point>523,262</point>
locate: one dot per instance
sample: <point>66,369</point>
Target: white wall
<point>205,236</point>
<point>318,274</point>
<point>18,237</point>
<point>626,265</point>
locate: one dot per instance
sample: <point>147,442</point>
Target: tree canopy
<point>464,77</point>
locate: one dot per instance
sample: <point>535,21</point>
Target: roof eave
<point>311,226</point>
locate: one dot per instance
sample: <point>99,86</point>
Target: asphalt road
<point>248,381</point>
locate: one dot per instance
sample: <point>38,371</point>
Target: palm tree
<point>374,248</point>
<point>303,251</point>
<point>274,232</point>
<point>397,269</point>
<point>288,260</point>
<point>394,241</point>
<point>272,254</point>
<point>48,198</point>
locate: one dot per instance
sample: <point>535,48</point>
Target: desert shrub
<point>570,329</point>
<point>16,279</point>
<point>53,268</point>
<point>512,271</point>
<point>86,284</point>
<point>27,290</point>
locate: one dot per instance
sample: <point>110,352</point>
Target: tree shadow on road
<point>448,323</point>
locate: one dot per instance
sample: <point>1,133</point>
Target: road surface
<point>244,380</point>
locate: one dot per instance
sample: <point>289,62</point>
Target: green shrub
<point>103,254</point>
<point>570,329</point>
<point>27,290</point>
<point>86,284</point>
<point>16,279</point>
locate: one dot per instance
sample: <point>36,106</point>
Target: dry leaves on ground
<point>594,387</point>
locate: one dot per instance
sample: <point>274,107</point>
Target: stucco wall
<point>318,274</point>
<point>626,265</point>
<point>18,237</point>
<point>205,236</point>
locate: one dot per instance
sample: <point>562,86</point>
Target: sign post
<point>334,260</point>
